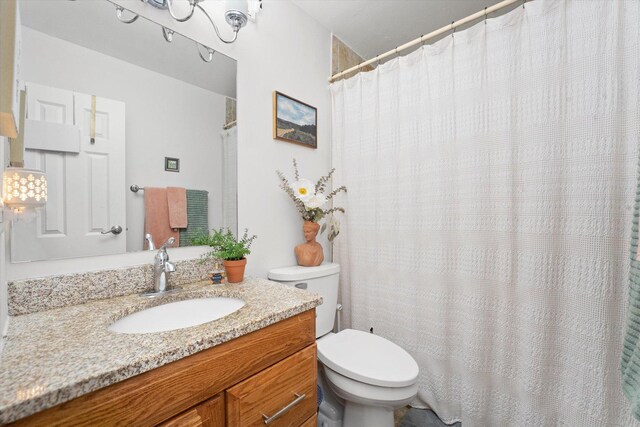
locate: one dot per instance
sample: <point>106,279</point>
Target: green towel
<point>631,351</point>
<point>197,216</point>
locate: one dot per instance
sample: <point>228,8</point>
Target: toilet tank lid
<point>294,273</point>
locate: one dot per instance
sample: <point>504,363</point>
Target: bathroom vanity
<point>253,367</point>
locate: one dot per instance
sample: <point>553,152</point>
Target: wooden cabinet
<point>311,422</point>
<point>282,395</point>
<point>206,414</point>
<point>256,373</point>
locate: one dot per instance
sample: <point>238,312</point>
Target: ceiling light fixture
<point>167,34</point>
<point>236,16</point>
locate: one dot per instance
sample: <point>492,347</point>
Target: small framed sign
<point>171,164</point>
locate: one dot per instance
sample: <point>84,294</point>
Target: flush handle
<point>302,285</point>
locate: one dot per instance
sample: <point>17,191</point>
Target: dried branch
<point>286,186</point>
<point>332,210</point>
<point>336,191</point>
<point>323,181</point>
<point>295,170</point>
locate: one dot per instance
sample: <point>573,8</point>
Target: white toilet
<point>371,374</point>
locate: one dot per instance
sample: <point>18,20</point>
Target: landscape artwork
<point>294,121</point>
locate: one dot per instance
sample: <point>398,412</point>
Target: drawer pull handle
<point>269,419</point>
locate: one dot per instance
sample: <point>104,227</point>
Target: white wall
<point>164,117</point>
<point>284,50</point>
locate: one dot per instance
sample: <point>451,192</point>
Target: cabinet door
<point>282,395</point>
<point>207,414</point>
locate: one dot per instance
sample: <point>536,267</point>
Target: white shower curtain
<point>229,139</point>
<point>491,182</point>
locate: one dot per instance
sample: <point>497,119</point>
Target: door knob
<point>116,229</point>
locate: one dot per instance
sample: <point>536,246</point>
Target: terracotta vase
<point>312,228</point>
<point>310,253</point>
<point>235,270</point>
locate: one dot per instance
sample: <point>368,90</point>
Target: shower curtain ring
<point>377,61</point>
<point>453,29</point>
<point>485,14</point>
<point>523,2</point>
<point>422,40</point>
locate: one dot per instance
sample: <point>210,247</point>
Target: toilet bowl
<point>373,375</point>
<point>370,374</point>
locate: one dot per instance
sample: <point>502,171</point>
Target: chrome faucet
<point>162,268</point>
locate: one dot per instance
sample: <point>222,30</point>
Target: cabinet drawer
<point>311,422</point>
<point>288,388</point>
<point>206,414</point>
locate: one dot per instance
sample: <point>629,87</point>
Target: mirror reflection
<point>136,135</point>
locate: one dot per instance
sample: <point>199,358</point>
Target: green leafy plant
<point>201,239</point>
<point>225,245</point>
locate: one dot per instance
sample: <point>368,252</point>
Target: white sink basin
<point>177,315</point>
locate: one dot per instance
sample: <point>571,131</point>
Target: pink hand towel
<point>156,217</point>
<point>177,200</point>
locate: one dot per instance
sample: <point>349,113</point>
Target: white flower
<point>315,201</point>
<point>303,189</point>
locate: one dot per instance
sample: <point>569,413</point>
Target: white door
<point>86,191</point>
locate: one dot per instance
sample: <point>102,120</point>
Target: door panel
<point>98,174</point>
<point>51,220</point>
<point>49,104</point>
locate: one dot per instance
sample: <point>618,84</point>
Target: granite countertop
<point>53,356</point>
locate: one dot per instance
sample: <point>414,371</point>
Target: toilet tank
<point>322,280</point>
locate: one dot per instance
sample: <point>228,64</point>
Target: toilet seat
<point>368,358</point>
<point>367,394</point>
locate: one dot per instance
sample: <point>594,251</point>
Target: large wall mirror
<point>150,115</point>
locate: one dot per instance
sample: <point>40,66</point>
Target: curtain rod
<point>422,39</point>
<point>229,125</point>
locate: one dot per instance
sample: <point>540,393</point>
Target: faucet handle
<point>169,267</point>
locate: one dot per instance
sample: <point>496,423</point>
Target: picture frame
<point>294,121</point>
<point>171,164</point>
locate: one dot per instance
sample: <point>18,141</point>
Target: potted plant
<point>230,250</point>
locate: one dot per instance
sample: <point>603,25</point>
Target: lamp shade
<point>24,188</point>
<point>239,5</point>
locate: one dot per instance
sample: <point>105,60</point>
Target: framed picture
<point>294,121</point>
<point>171,164</point>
